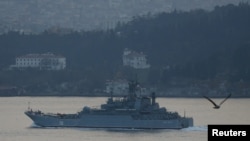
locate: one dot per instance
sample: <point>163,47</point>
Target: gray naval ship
<point>130,112</point>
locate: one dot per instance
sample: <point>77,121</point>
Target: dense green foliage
<point>197,45</point>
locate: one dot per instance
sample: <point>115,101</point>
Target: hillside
<point>191,53</point>
<point>34,16</point>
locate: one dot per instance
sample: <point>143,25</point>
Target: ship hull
<point>108,121</point>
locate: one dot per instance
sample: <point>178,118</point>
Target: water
<point>15,126</point>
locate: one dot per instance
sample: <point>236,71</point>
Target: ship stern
<point>187,122</point>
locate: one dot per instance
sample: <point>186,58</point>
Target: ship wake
<point>195,128</point>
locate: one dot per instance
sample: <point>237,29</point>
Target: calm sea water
<point>15,126</point>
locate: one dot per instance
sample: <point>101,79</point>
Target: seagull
<point>217,106</point>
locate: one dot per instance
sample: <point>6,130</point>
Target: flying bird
<point>217,106</point>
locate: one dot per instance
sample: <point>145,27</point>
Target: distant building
<point>47,61</point>
<point>120,88</point>
<point>134,59</point>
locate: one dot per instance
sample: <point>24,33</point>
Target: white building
<point>134,59</point>
<point>118,87</point>
<point>121,88</point>
<point>47,61</point>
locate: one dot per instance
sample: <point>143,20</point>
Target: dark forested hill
<point>33,16</point>
<point>205,42</point>
<point>198,45</point>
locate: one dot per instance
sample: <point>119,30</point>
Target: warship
<point>129,112</point>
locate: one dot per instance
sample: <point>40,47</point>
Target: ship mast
<point>111,92</point>
<point>132,89</point>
